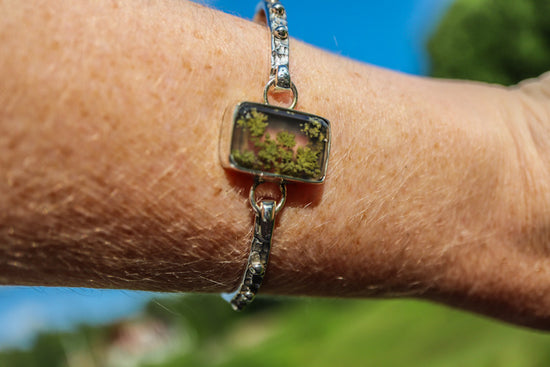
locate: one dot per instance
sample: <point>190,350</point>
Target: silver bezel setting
<point>276,177</point>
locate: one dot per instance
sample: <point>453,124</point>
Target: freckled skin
<point>109,175</point>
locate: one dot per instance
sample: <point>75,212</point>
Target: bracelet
<point>273,144</point>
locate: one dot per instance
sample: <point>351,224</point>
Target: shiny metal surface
<point>266,211</point>
<point>259,256</point>
<point>275,17</point>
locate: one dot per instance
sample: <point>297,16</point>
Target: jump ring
<point>271,82</point>
<point>254,203</point>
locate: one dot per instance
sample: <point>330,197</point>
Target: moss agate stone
<point>278,143</point>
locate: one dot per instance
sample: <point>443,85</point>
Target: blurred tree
<point>46,351</point>
<point>496,41</point>
<point>206,316</point>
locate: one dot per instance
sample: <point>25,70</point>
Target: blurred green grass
<point>362,332</point>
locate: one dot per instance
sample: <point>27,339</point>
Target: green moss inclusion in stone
<point>279,142</point>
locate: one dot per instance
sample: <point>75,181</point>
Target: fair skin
<point>109,121</point>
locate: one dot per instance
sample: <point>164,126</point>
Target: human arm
<point>109,122</point>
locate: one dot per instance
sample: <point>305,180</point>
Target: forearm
<point>110,178</point>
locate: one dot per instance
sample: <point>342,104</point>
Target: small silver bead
<point>257,268</point>
<point>278,9</point>
<point>239,298</point>
<point>281,32</point>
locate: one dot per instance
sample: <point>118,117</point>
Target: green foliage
<point>255,122</point>
<point>245,158</point>
<point>207,316</point>
<point>280,155</point>
<point>325,333</point>
<point>53,349</point>
<point>268,154</point>
<point>307,161</point>
<point>312,129</point>
<point>498,41</point>
<point>286,140</point>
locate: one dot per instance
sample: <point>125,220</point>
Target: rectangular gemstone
<point>278,143</point>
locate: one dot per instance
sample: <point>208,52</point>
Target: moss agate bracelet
<point>272,144</point>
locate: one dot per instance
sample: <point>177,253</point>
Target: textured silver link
<point>266,210</point>
<point>259,255</point>
<point>275,17</point>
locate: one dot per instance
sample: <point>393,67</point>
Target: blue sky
<point>388,33</point>
<point>24,311</point>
